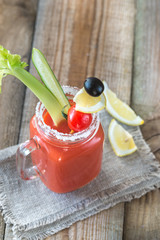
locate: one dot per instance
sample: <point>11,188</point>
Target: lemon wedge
<point>88,104</point>
<point>120,110</point>
<point>121,141</point>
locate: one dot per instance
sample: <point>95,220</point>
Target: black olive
<point>93,86</point>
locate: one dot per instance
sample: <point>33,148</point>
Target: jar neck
<point>57,138</point>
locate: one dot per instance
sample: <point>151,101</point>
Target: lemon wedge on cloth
<point>121,141</point>
<point>88,104</point>
<point>120,110</point>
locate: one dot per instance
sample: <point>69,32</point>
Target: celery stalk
<point>10,64</point>
<point>48,77</point>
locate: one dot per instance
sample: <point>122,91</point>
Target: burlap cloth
<point>35,212</point>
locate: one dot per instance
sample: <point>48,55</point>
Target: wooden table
<point>115,40</point>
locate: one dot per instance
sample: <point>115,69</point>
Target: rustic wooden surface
<point>17,19</point>
<point>80,39</point>
<point>142,216</point>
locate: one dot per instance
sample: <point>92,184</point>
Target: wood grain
<point>145,92</point>
<point>16,28</point>
<point>80,40</point>
<point>142,218</point>
<point>2,228</point>
<point>105,225</point>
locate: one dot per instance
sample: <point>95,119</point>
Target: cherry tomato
<point>78,121</point>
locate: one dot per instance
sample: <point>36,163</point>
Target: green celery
<point>48,78</point>
<point>10,64</point>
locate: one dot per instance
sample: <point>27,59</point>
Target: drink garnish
<point>63,112</point>
<point>78,121</point>
<point>90,99</point>
<point>87,103</point>
<point>49,78</point>
<point>107,99</point>
<point>93,86</point>
<point>11,64</point>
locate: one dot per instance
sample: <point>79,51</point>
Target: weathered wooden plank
<point>142,216</point>
<point>142,220</point>
<point>2,227</point>
<point>100,226</point>
<point>16,27</point>
<point>80,39</point>
<point>146,95</point>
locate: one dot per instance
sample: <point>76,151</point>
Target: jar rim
<point>65,137</point>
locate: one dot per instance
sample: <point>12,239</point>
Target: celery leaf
<point>8,62</point>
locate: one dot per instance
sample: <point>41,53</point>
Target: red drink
<point>66,166</point>
<point>64,161</point>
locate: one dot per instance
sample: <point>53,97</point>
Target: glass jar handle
<point>25,167</point>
